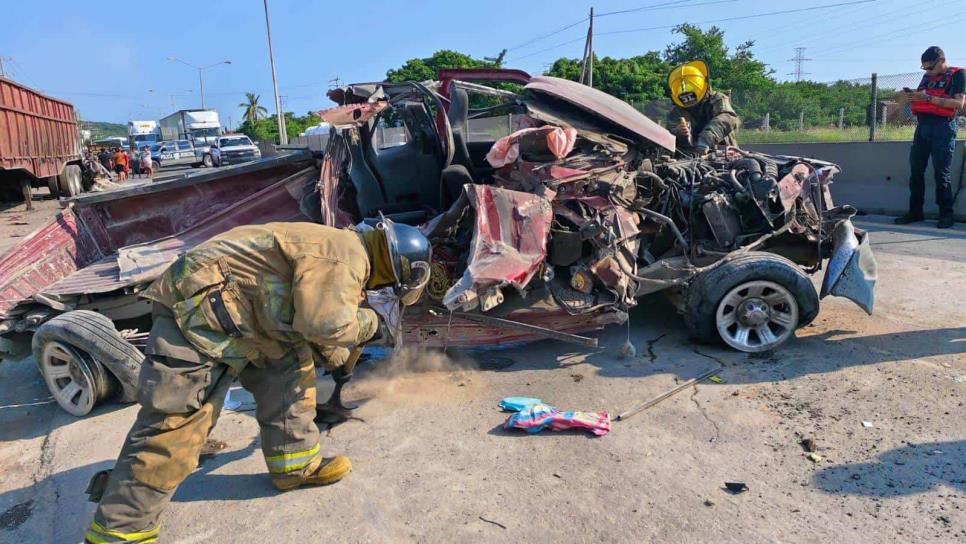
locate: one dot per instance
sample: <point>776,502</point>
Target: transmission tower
<point>799,61</point>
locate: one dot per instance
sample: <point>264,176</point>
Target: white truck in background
<point>201,127</point>
<point>143,133</point>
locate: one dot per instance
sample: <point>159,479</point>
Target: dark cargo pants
<point>181,393</point>
<point>934,137</point>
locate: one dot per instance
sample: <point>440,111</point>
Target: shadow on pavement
<point>204,485</point>
<point>663,346</point>
<point>908,470</point>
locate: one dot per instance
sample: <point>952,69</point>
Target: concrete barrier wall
<point>875,175</point>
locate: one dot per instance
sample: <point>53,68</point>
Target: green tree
<point>253,110</point>
<point>266,129</point>
<point>634,79</point>
<point>729,70</point>
<point>427,68</point>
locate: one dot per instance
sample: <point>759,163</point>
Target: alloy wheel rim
<point>757,316</point>
<point>69,378</point>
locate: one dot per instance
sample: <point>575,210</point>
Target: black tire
<point>94,335</point>
<point>208,161</point>
<point>54,185</point>
<point>70,181</point>
<point>155,166</point>
<point>708,288</point>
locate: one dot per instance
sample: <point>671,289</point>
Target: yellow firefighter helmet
<point>689,83</point>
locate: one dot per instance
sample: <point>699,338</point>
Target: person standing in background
<point>940,95</point>
<point>120,163</point>
<point>147,167</point>
<point>133,160</point>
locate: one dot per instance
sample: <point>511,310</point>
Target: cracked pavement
<point>432,463</point>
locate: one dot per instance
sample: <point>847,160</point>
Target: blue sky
<point>109,58</point>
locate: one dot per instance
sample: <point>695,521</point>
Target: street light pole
<point>201,83</point>
<point>282,136</point>
<point>201,74</point>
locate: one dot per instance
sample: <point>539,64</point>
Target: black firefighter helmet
<point>410,254</point>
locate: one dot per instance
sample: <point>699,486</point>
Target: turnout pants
<point>935,137</point>
<point>181,395</point>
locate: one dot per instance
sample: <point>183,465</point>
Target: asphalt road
<point>432,463</point>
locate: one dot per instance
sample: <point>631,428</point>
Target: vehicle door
<point>168,153</point>
<point>186,152</point>
<point>403,155</point>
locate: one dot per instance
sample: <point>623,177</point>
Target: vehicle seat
<point>454,177</point>
<point>458,114</point>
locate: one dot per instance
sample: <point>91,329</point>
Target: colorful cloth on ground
<point>538,417</point>
<point>515,404</point>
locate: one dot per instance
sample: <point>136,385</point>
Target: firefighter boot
<point>322,471</point>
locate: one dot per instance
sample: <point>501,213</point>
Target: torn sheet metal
<point>852,268</point>
<point>353,114</point>
<point>508,246</point>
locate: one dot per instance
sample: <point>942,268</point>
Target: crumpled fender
<point>851,271</point>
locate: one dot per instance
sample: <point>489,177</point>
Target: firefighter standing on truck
<point>940,95</point>
<point>260,303</point>
<point>701,117</point>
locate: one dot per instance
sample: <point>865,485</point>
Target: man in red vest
<point>940,95</point>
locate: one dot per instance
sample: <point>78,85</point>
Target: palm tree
<point>252,109</point>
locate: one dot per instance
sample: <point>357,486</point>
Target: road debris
<point>537,417</point>
<point>736,487</point>
<point>516,404</point>
<point>867,424</point>
<point>814,457</point>
<point>717,379</point>
<point>490,521</point>
<point>666,395</point>
<point>808,444</point>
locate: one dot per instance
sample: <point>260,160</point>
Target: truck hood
<point>599,105</point>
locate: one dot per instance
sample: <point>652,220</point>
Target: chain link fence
<point>866,109</point>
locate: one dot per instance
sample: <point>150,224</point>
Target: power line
<point>544,36</point>
<point>932,23</point>
<point>723,20</point>
<point>644,8</point>
<point>799,61</point>
<point>863,22</point>
<point>663,5</point>
<point>740,18</point>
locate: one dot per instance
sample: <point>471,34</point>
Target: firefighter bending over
<point>701,117</point>
<point>260,303</point>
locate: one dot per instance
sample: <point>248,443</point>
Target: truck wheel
<point>70,181</point>
<point>752,302</point>
<point>84,361</point>
<point>208,161</point>
<point>155,166</point>
<point>54,185</point>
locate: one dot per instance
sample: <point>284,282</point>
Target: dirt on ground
<point>852,432</point>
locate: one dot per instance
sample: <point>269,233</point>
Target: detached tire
<point>69,181</point>
<point>753,302</point>
<point>54,185</point>
<point>84,361</point>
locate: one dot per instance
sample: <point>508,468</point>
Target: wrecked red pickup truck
<point>552,208</point>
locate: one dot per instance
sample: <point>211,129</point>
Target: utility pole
<point>590,49</point>
<point>587,65</point>
<point>799,60</point>
<point>282,136</point>
<point>873,106</point>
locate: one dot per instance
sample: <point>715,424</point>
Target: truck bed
<point>76,253</point>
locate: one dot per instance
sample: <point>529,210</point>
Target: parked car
<point>233,149</point>
<point>181,153</point>
<point>174,153</point>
